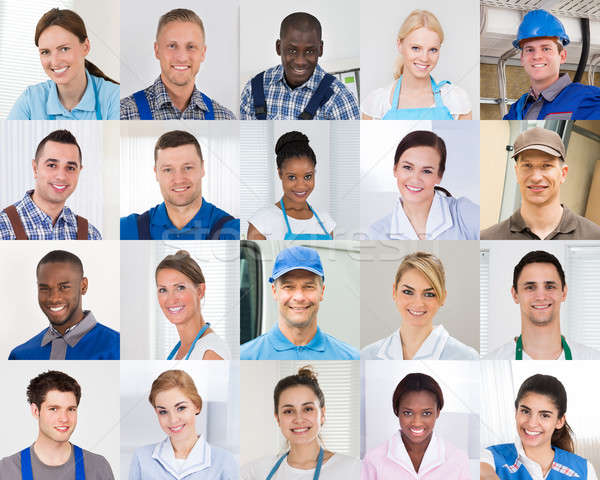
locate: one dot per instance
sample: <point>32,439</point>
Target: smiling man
<point>42,214</point>
<point>74,333</point>
<point>54,398</point>
<point>541,169</point>
<point>185,214</point>
<point>298,88</point>
<point>180,48</point>
<point>541,39</point>
<point>539,288</point>
<point>298,288</point>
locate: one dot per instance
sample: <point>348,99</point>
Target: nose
<point>62,416</point>
<point>173,417</point>
<point>54,296</point>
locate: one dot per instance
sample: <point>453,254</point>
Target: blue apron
<point>439,112</point>
<point>96,98</point>
<point>200,333</point>
<point>304,236</point>
<point>27,471</point>
<point>317,469</point>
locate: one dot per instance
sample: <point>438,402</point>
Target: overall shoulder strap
<point>210,114</point>
<point>258,96</point>
<point>82,228</point>
<point>321,95</point>
<point>520,106</point>
<point>26,470</point>
<point>16,223</point>
<point>143,226</point>
<point>215,231</point>
<point>79,467</point>
<point>142,105</point>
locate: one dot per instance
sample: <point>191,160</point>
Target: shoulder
<point>93,233</point>
<point>96,463</point>
<point>10,467</point>
<point>230,230</point>
<point>466,214</point>
<point>105,331</point>
<point>583,352</point>
<point>128,109</point>
<point>381,228</point>
<point>377,454</point>
<point>456,99</point>
<point>128,227</point>
<point>500,231</point>
<point>31,104</point>
<point>266,214</point>
<point>453,453</point>
<point>222,112</point>
<point>342,105</point>
<point>505,352</point>
<point>512,111</point>
<point>6,230</point>
<point>252,349</point>
<point>341,350</point>
<point>456,350</point>
<point>106,88</point>
<point>258,469</point>
<point>587,230</point>
<point>30,350</point>
<point>211,342</point>
<point>222,455</point>
<point>343,464</point>
<point>327,220</point>
<point>370,351</point>
<point>377,103</point>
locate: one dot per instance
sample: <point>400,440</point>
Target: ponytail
<point>96,72</point>
<point>563,438</point>
<point>443,190</point>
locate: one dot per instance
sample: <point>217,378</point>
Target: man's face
<point>298,294</point>
<point>539,176</point>
<point>299,51</point>
<point>541,60</point>
<point>57,416</point>
<point>56,172</point>
<point>179,173</point>
<point>180,49</point>
<point>60,288</point>
<point>539,294</point>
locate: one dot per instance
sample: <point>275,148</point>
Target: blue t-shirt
<point>41,102</point>
<point>273,345</point>
<point>198,228</point>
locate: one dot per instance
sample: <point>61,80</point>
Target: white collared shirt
<point>198,458</point>
<point>439,345</point>
<point>508,351</point>
<point>434,456</point>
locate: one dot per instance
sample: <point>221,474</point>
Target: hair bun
<point>290,137</point>
<point>307,372</point>
<point>182,253</point>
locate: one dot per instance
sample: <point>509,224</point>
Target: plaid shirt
<point>163,109</point>
<point>38,225</point>
<point>285,103</point>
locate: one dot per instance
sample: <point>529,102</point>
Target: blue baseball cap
<point>297,258</point>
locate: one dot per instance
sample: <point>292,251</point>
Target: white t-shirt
<point>508,352</point>
<point>337,467</point>
<point>210,341</point>
<point>377,103</point>
<point>270,222</point>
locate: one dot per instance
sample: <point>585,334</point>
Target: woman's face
<point>416,299</point>
<point>417,173</point>
<point>299,415</point>
<point>420,52</point>
<point>297,176</point>
<point>178,297</point>
<point>62,54</point>
<point>417,413</point>
<point>176,414</point>
<point>537,419</point>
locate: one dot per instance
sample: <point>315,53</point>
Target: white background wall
<point>19,289</point>
<point>379,263</point>
<point>259,30</point>
<point>459,55</point>
<point>219,72</point>
<point>97,416</point>
<point>378,143</point>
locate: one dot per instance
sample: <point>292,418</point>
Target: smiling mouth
<point>300,194</point>
<point>179,189</point>
<point>410,188</point>
<point>416,313</point>
<point>541,307</point>
<point>176,429</point>
<point>59,187</point>
<point>417,431</point>
<point>59,70</point>
<point>57,308</point>
<point>181,68</point>
<point>62,428</point>
<point>531,433</point>
<point>420,66</point>
<point>300,309</point>
<point>537,188</point>
<point>300,430</point>
<point>175,310</point>
<point>539,65</point>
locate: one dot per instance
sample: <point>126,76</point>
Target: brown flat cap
<point>540,139</point>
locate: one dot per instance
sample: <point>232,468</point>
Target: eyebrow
<point>69,162</point>
<point>539,411</point>
<point>546,282</point>
<point>176,405</point>
<point>412,164</point>
<point>412,288</point>
<point>60,283</point>
<point>290,405</point>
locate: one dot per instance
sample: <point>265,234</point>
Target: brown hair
<point>73,23</point>
<point>176,138</point>
<point>175,379</point>
<point>180,15</point>
<point>305,376</point>
<point>183,263</point>
<point>51,380</point>
<point>430,266</point>
<point>417,382</point>
<point>58,136</point>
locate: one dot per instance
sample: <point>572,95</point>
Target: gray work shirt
<point>548,95</point>
<point>71,337</point>
<point>570,227</point>
<point>96,467</point>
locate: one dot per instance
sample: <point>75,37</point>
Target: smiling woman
<point>77,89</point>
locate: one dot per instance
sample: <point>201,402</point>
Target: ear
<point>86,46</point>
<point>564,171</point>
<point>445,297</point>
<point>202,169</point>
<point>561,422</point>
<point>564,293</point>
<point>396,170</point>
<point>201,289</point>
<point>321,49</point>
<point>35,412</point>
<point>278,47</point>
<point>203,54</point>
<point>322,416</point>
<point>84,285</point>
<point>514,295</point>
<point>156,50</point>
<point>394,292</point>
<point>34,165</point>
<point>274,290</point>
<point>563,55</point>
<point>155,172</point>
<point>279,173</point>
<point>276,418</point>
<point>322,292</point>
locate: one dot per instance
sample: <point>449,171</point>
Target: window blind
<point>484,287</point>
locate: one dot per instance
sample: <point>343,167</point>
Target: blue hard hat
<point>297,258</point>
<point>540,23</point>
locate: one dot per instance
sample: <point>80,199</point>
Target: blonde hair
<point>175,379</point>
<point>430,266</point>
<point>416,19</point>
<point>180,15</point>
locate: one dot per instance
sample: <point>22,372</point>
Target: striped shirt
<point>285,103</point>
<point>163,109</point>
<point>38,225</point>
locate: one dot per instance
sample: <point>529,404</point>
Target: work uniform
<point>508,351</point>
<point>337,467</point>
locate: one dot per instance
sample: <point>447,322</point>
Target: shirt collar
<point>433,458</point>
<point>87,102</point>
<point>280,343</point>
<point>74,333</point>
<point>162,97</point>
<point>567,224</point>
<point>39,216</point>
<point>431,348</point>
<point>311,84</point>
<point>161,217</point>
<point>198,458</point>
<point>551,92</point>
<point>438,221</point>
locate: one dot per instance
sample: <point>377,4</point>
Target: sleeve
<point>591,471</point>
<point>512,112</point>
<point>128,228</point>
<point>112,111</point>
<point>6,230</point>
<point>487,457</point>
<point>328,222</point>
<point>135,469</point>
<point>93,233</point>
<point>260,220</point>
<point>107,473</point>
<point>128,109</point>
<point>246,105</point>
<point>21,109</point>
<point>343,104</point>
<point>247,472</point>
<point>231,230</point>
<point>377,103</point>
<point>456,99</point>
<point>588,108</point>
<point>368,470</point>
<point>469,217</point>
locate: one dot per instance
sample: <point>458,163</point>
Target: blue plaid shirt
<point>38,225</point>
<point>285,103</point>
<point>163,109</point>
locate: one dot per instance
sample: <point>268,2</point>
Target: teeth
<point>421,67</point>
<point>57,309</point>
<point>59,187</point>
<point>418,314</point>
<point>180,189</point>
<point>60,70</point>
<point>176,429</point>
<point>300,430</point>
<point>539,65</point>
<point>62,429</point>
<point>540,307</point>
<point>180,67</point>
<point>529,432</point>
<point>414,189</point>
<point>174,309</point>
<point>417,430</point>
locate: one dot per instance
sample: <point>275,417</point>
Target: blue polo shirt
<point>40,102</point>
<point>198,228</point>
<point>273,345</point>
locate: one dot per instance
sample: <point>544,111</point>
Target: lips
<point>300,194</point>
<point>413,189</point>
<point>539,65</point>
<point>176,429</point>
<point>420,66</point>
<point>416,313</point>
<point>537,188</point>
<point>541,307</point>
<point>180,189</point>
<point>417,431</point>
<point>300,430</point>
<point>62,428</point>
<point>57,308</point>
<point>180,68</point>
<point>175,309</point>
<point>59,70</point>
<point>59,187</point>
<point>299,309</point>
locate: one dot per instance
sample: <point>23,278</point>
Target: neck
<point>71,94</point>
<point>541,342</point>
<point>542,219</point>
<point>542,455</point>
<point>180,95</point>
<point>50,452</point>
<point>291,205</point>
<point>181,216</point>
<point>414,84</point>
<point>416,451</point>
<point>53,210</point>
<point>417,214</point>
<point>75,319</point>
<point>183,446</point>
<point>412,337</point>
<point>298,336</point>
<point>539,87</point>
<point>187,331</point>
<point>304,454</point>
